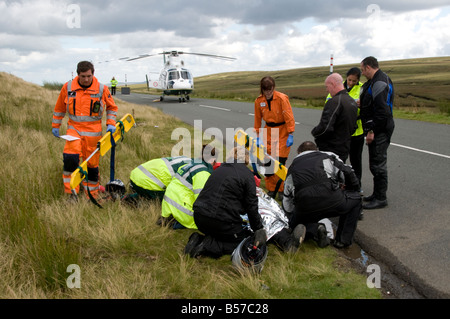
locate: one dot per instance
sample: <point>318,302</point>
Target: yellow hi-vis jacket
<point>354,93</point>
<point>183,190</point>
<point>156,174</point>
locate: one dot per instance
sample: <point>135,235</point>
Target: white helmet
<point>247,256</point>
<point>116,186</point>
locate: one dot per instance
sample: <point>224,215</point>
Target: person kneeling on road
<point>314,190</point>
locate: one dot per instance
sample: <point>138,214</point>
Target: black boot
<point>374,204</point>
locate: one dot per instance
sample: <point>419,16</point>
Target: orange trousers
<point>275,141</point>
<point>77,150</point>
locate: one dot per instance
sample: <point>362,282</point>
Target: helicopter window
<point>174,75</point>
<point>186,75</point>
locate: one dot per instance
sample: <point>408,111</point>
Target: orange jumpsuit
<point>86,124</point>
<point>279,117</point>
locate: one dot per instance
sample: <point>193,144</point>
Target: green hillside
<point>419,83</point>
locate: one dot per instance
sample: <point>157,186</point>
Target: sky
<point>42,41</point>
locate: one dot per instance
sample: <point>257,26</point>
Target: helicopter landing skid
<point>183,98</point>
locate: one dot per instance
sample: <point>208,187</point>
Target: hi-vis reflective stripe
<point>197,191</point>
<point>85,118</point>
<point>66,179</point>
<point>91,134</point>
<point>192,169</point>
<point>98,95</point>
<point>183,181</point>
<point>111,115</point>
<point>93,188</point>
<point>174,161</point>
<point>152,177</point>
<point>178,206</point>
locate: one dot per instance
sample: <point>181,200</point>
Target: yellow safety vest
<point>354,93</point>
<point>182,192</point>
<point>156,174</point>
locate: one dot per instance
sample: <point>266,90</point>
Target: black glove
<point>260,237</point>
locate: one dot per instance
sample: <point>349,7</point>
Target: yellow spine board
<point>259,152</point>
<point>104,145</point>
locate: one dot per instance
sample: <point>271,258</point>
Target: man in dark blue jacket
<point>376,100</point>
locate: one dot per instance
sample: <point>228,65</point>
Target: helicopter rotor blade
<point>176,53</point>
<point>141,56</point>
<point>221,57</point>
<point>112,60</point>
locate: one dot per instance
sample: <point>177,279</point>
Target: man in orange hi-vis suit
<point>85,100</point>
<point>274,108</point>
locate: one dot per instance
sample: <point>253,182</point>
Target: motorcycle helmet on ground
<point>249,257</point>
<point>116,188</point>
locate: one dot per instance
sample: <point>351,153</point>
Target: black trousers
<point>221,237</point>
<point>356,149</point>
<point>378,163</point>
<point>348,212</point>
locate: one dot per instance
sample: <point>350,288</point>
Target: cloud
<point>47,38</point>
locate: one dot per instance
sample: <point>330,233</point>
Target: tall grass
<point>53,85</point>
<point>120,250</point>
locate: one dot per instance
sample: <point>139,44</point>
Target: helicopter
<point>174,78</point>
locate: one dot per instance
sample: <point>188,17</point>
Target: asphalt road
<point>412,234</point>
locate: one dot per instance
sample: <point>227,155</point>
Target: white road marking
<point>398,145</point>
<point>419,150</point>
<point>215,107</point>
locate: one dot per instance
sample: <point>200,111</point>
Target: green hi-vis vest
<point>354,93</point>
<point>156,174</point>
<point>183,190</point>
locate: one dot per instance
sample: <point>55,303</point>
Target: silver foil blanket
<point>273,217</point>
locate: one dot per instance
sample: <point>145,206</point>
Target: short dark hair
<point>354,71</point>
<point>370,61</point>
<point>267,83</point>
<point>306,146</point>
<point>85,66</point>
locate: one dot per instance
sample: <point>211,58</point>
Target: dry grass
<point>120,250</point>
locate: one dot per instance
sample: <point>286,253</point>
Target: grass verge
<point>120,251</point>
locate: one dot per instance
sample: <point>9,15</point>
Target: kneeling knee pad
<point>93,174</point>
<point>71,162</point>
